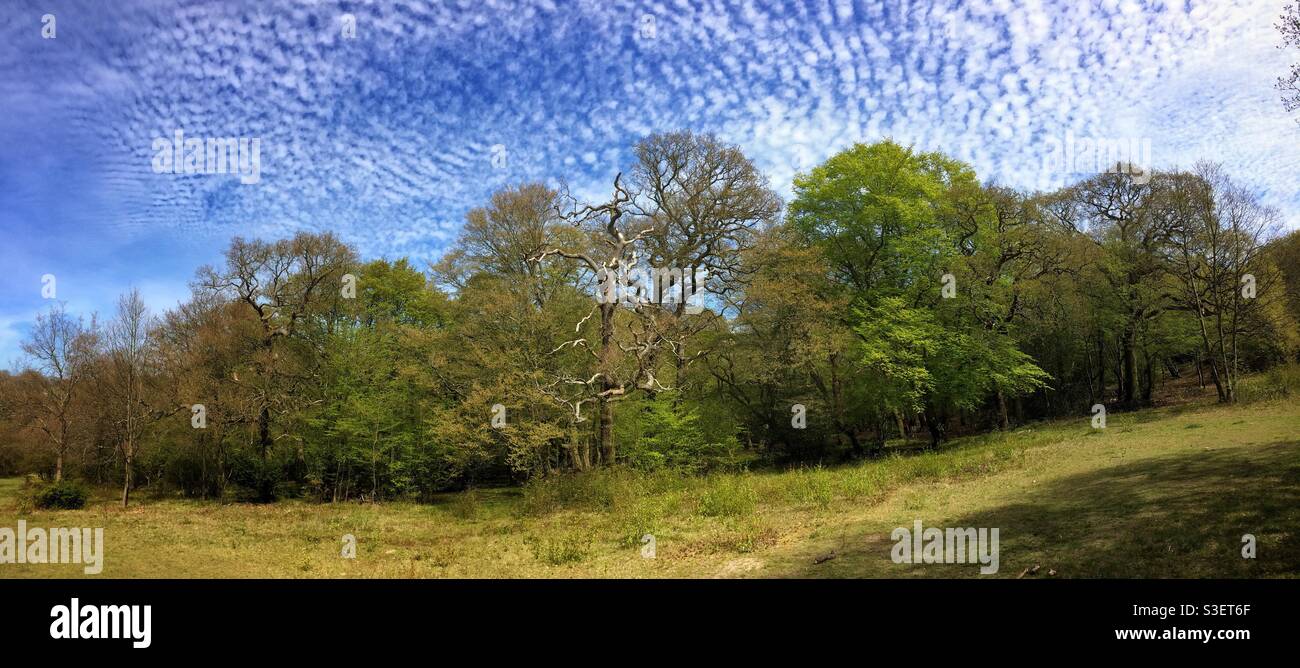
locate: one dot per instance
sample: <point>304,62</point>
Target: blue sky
<point>388,138</point>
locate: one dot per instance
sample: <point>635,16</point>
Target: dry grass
<point>1165,493</point>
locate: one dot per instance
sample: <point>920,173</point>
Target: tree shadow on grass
<point>1178,516</point>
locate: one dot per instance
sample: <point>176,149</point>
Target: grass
<point>1160,493</point>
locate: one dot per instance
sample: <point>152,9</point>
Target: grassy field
<point>1160,493</point>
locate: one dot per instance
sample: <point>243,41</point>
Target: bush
<point>636,521</point>
<point>728,496</point>
<point>190,467</point>
<point>599,489</point>
<point>63,495</point>
<point>812,486</point>
<point>559,550</point>
<point>1276,383</point>
<point>259,480</point>
<point>667,434</point>
<point>465,505</point>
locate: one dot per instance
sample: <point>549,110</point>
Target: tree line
<point>895,296</point>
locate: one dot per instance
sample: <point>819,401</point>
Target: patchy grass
<point>1161,493</point>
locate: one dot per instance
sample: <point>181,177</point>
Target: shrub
<point>560,550</point>
<point>63,495</point>
<point>259,480</point>
<point>813,486</point>
<point>1276,383</point>
<point>465,505</point>
<point>600,489</point>
<point>636,521</point>
<point>728,496</point>
<point>671,434</point>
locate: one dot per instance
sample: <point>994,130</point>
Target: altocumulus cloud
<point>388,138</point>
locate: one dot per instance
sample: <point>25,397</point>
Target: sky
<point>386,121</point>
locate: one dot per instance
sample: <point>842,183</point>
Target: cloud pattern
<point>389,137</point>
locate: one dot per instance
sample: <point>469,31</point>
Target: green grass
<point>1162,493</point>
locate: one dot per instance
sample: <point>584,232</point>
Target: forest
<point>692,320</point>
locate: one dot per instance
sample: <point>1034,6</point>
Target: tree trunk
<point>606,383</point>
<point>1004,423</point>
<point>606,432</point>
<point>937,428</point>
<point>855,444</point>
<point>1218,382</point>
<point>1150,379</point>
<point>1101,369</point>
<point>1130,364</point>
<point>264,431</point>
<point>128,477</point>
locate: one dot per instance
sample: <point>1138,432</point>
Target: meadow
<point>1164,492</point>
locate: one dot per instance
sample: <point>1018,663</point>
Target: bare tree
<point>690,208</point>
<point>1219,233</point>
<point>132,380</point>
<point>610,256</point>
<point>705,203</point>
<point>1289,26</point>
<point>63,350</point>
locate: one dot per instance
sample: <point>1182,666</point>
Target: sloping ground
<point>1161,494</point>
<point>1164,493</point>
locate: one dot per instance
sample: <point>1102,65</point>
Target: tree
<point>1218,236</point>
<point>509,311</point>
<point>705,203</point>
<point>63,350</point>
<point>611,254</point>
<point>898,228</point>
<point>1289,26</point>
<point>1120,215</point>
<point>1284,252</point>
<point>133,379</point>
<point>787,348</point>
<point>282,283</point>
<point>500,238</point>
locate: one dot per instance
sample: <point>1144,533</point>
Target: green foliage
<point>670,435</point>
<point>560,549</point>
<point>256,479</point>
<point>813,486</point>
<point>899,296</point>
<point>633,522</point>
<point>62,495</point>
<point>1279,382</point>
<point>465,505</point>
<point>879,211</point>
<point>729,496</point>
<point>591,490</point>
<point>894,223</point>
